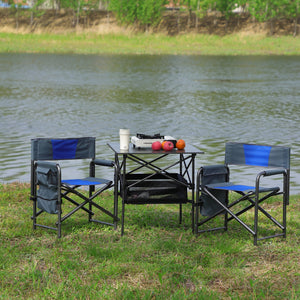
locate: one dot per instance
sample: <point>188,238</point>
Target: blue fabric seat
<point>48,189</point>
<point>213,187</point>
<point>85,181</point>
<point>230,186</point>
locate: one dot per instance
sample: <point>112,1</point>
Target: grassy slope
<point>155,259</point>
<point>236,44</point>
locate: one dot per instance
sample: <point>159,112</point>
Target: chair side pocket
<point>47,194</point>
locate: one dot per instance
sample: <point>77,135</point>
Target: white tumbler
<point>124,139</point>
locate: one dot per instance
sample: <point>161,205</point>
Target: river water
<point>205,100</point>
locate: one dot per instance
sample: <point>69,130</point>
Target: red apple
<point>156,145</point>
<point>168,146</point>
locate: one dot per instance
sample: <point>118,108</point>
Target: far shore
<point>148,44</point>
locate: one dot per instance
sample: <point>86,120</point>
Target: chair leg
<point>90,209</point>
<point>226,221</point>
<point>116,209</point>
<point>255,219</point>
<point>123,215</point>
<point>180,213</point>
<point>196,218</point>
<point>284,215</point>
<point>226,208</point>
<point>59,213</point>
<point>90,204</point>
<point>34,213</point>
<point>226,215</point>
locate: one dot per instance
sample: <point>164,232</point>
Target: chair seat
<point>229,186</point>
<point>86,181</point>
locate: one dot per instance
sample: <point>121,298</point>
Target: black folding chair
<point>48,189</point>
<point>213,186</point>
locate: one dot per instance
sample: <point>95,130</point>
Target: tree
<point>16,9</point>
<point>293,11</point>
<point>241,4</point>
<point>125,10</point>
<point>225,7</point>
<point>267,11</point>
<point>149,12</point>
<point>35,10</point>
<point>78,6</point>
<point>145,12</point>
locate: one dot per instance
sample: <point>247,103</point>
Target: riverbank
<point>178,33</point>
<point>156,258</point>
<point>152,44</point>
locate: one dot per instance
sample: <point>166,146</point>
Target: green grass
<point>89,43</point>
<point>156,258</point>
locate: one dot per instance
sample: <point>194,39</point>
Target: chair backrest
<point>62,148</point>
<point>257,155</point>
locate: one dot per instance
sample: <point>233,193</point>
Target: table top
<point>189,149</point>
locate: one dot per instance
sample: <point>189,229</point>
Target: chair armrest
<point>273,172</point>
<point>46,164</point>
<point>103,162</point>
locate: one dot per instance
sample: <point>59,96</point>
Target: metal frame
<point>253,197</point>
<point>64,190</point>
<point>185,161</point>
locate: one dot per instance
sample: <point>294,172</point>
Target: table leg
<point>193,192</point>
<point>123,192</point>
<point>116,190</point>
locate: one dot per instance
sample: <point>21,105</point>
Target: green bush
<point>145,12</point>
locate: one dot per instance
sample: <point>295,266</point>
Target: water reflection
<point>205,100</point>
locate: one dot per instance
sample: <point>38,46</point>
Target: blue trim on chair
<point>85,181</point>
<point>228,186</point>
<point>234,187</point>
<point>257,155</point>
<point>64,149</point>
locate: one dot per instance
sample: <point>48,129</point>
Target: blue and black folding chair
<point>48,189</point>
<point>213,187</point>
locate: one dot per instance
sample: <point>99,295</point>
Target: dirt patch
<point>103,22</point>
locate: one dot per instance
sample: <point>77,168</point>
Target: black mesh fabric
<point>156,189</point>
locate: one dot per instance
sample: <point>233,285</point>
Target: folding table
<point>145,176</point>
